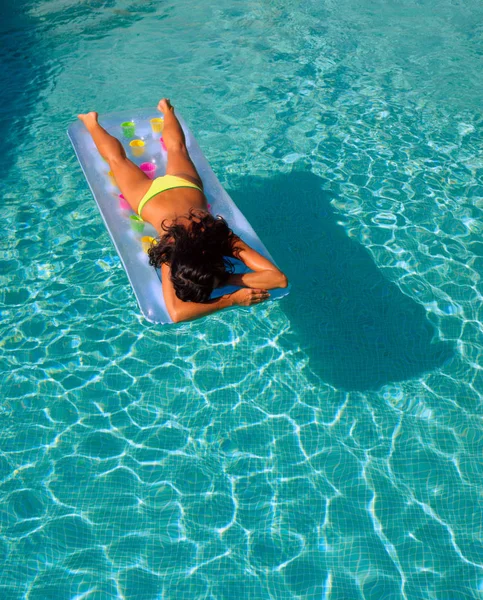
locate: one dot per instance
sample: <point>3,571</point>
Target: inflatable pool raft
<point>140,132</point>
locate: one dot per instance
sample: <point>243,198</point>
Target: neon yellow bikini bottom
<point>161,184</point>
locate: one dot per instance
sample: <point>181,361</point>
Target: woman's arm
<point>187,311</point>
<point>264,273</point>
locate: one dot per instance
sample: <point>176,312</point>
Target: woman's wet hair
<point>197,252</point>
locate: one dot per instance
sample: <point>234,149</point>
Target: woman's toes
<point>164,105</point>
<point>88,118</point>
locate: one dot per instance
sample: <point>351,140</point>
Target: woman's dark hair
<point>196,252</point>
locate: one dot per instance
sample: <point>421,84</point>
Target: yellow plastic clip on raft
<point>157,125</point>
<point>146,242</point>
<point>137,147</point>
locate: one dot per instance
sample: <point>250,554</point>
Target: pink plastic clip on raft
<point>149,169</point>
<point>123,203</point>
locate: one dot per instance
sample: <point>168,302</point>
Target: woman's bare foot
<point>89,119</point>
<point>164,105</point>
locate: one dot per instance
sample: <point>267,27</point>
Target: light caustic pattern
<point>202,478</point>
<point>329,446</point>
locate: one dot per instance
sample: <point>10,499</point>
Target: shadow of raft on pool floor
<point>357,327</point>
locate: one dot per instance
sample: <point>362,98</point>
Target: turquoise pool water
<point>327,446</point>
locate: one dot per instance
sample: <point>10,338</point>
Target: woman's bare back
<point>172,204</point>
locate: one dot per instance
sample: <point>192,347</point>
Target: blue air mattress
<point>124,231</point>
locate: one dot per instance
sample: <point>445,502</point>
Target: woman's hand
<point>249,296</point>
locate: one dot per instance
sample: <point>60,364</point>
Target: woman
<point>193,244</point>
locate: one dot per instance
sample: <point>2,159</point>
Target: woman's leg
<point>179,161</point>
<point>132,182</point>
